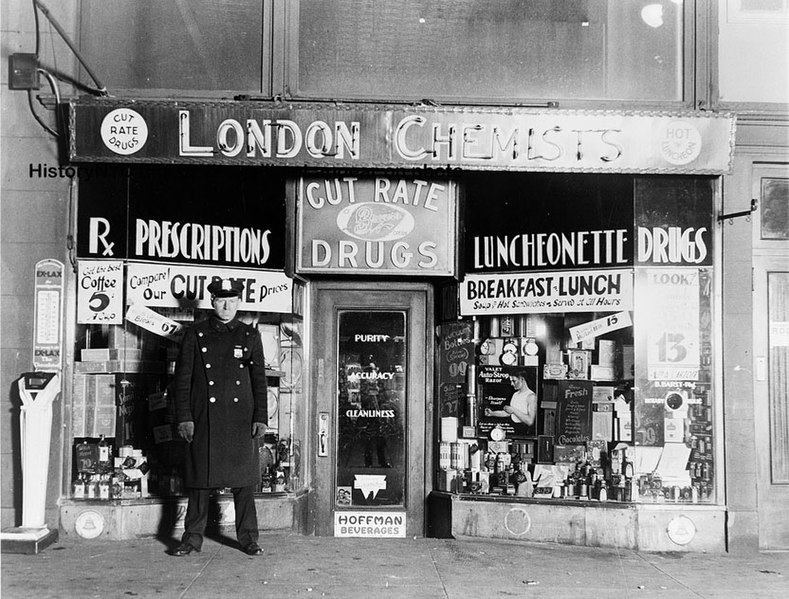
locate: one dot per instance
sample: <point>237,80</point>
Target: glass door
<point>373,361</point>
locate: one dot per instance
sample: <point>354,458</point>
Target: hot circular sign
<point>681,142</point>
<point>124,131</point>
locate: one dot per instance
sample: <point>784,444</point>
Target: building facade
<point>520,272</point>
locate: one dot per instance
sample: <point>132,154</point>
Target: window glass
<point>775,208</point>
<point>371,409</point>
<point>505,50</point>
<point>196,45</point>
<point>778,302</point>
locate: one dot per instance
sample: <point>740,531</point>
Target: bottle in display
<point>104,454</point>
<point>79,487</point>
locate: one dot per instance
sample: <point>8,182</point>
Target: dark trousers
<point>197,516</point>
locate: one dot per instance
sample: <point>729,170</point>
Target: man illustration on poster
<point>517,414</point>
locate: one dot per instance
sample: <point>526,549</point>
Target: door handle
<point>323,434</point>
<point>761,368</point>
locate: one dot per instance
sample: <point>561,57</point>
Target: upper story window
<point>507,50</point>
<point>199,45</point>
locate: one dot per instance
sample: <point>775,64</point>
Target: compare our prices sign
<point>99,292</point>
<point>382,226</point>
<point>176,286</point>
<point>587,291</point>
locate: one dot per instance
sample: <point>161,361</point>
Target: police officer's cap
<point>225,288</point>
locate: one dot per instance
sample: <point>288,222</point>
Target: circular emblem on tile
<point>517,522</point>
<point>89,524</point>
<point>124,131</point>
<point>681,530</point>
<point>681,142</point>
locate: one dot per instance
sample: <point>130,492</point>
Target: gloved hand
<point>186,430</point>
<point>258,430</point>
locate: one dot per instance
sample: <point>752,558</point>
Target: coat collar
<point>220,326</point>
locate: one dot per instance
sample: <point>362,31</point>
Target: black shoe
<point>184,549</point>
<point>253,549</point>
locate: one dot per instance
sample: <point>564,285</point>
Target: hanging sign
<point>48,316</point>
<point>384,225</point>
<point>595,328</point>
<point>154,322</point>
<point>583,291</point>
<point>379,136</point>
<point>176,286</point>
<point>99,292</point>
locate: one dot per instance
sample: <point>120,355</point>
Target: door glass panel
<point>778,308</point>
<point>371,408</point>
<point>775,208</point>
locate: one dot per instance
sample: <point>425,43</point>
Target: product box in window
<point>578,361</point>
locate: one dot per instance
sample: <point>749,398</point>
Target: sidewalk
<point>312,567</point>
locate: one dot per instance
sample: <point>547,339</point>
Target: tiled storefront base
<point>643,527</point>
<point>129,519</point>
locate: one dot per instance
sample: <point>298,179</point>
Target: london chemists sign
<point>375,136</point>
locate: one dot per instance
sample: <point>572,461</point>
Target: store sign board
<point>221,220</point>
<point>178,286</point>
<point>99,292</point>
<point>390,524</point>
<point>396,226</point>
<point>581,291</point>
<point>674,222</point>
<point>548,222</point>
<point>379,136</point>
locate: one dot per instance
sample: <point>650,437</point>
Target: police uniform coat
<point>220,385</point>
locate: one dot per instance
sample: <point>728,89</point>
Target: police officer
<point>221,403</point>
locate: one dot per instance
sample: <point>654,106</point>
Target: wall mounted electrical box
<point>22,71</point>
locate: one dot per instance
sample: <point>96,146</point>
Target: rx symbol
<point>99,229</point>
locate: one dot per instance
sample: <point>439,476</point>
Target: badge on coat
<point>238,352</point>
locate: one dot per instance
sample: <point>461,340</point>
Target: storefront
<point>408,268</point>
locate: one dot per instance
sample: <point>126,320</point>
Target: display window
<point>150,242</point>
<point>578,363</point>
